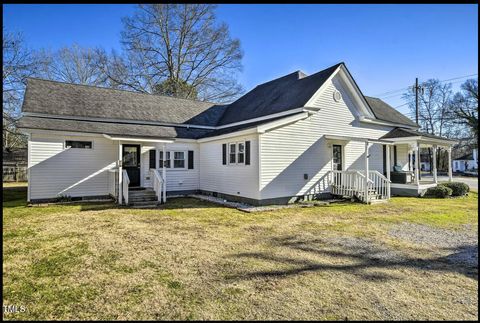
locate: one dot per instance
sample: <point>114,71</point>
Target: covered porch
<point>392,171</point>
<point>126,180</point>
<point>405,172</point>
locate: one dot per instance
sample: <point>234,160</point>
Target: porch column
<point>387,153</point>
<point>417,163</point>
<point>366,172</point>
<point>434,162</point>
<point>164,175</point>
<point>450,176</point>
<point>410,164</point>
<point>120,175</point>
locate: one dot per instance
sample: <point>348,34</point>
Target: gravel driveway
<point>461,246</point>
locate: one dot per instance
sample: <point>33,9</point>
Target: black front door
<point>131,163</point>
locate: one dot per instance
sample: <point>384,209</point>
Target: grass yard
<point>407,259</point>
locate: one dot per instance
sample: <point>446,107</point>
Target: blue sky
<point>384,46</point>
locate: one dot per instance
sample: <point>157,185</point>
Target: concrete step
<point>145,204</point>
<point>142,199</point>
<point>142,195</point>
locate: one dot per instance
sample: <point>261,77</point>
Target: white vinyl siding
<point>289,152</point>
<point>241,180</point>
<point>56,170</point>
<point>178,179</point>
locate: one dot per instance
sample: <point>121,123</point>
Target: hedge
<point>438,191</point>
<point>458,189</point>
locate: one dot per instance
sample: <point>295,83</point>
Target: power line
<point>383,95</point>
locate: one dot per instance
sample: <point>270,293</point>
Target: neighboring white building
<point>295,137</point>
<point>465,163</point>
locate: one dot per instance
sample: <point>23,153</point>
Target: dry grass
<point>14,184</point>
<point>194,260</point>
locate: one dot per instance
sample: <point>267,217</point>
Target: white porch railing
<point>346,183</point>
<point>379,184</point>
<point>158,184</point>
<point>125,183</point>
<point>351,183</point>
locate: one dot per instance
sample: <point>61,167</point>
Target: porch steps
<point>145,198</point>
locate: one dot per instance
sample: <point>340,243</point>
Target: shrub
<point>458,189</point>
<point>438,191</point>
<point>63,198</point>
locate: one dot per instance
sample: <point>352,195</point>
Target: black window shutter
<point>153,160</point>
<point>190,159</point>
<point>394,155</point>
<point>247,152</point>
<point>224,154</point>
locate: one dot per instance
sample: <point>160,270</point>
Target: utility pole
<point>416,100</point>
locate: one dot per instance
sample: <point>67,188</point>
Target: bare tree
<point>74,64</point>
<point>178,50</point>
<point>464,109</point>
<point>19,63</point>
<point>434,113</point>
<point>434,102</point>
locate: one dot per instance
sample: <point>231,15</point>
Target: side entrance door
<point>337,161</point>
<point>337,157</point>
<point>131,163</point>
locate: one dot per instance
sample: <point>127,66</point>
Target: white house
<point>465,163</point>
<point>292,138</point>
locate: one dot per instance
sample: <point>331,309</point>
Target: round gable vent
<point>337,96</point>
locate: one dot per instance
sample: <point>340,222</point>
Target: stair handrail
<point>158,184</point>
<point>125,183</point>
<point>380,183</point>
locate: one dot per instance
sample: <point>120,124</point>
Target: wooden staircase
<point>142,198</point>
<point>354,184</point>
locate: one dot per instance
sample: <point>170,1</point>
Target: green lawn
<point>195,260</point>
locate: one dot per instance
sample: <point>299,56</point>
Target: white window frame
<point>237,152</point>
<point>230,144</point>
<point>167,152</point>
<point>185,159</point>
<point>171,159</point>
<point>65,144</point>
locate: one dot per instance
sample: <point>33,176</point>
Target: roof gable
<point>282,94</point>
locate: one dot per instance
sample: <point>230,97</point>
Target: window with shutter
<point>153,159</point>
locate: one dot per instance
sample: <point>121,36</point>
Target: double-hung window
<point>179,159</point>
<point>232,153</point>
<point>236,153</point>
<point>165,161</point>
<point>174,159</point>
<point>241,153</point>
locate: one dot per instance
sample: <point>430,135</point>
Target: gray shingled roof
<point>119,129</point>
<point>385,112</point>
<point>403,132</point>
<point>126,129</point>
<point>285,93</point>
<point>63,99</point>
<point>67,99</point>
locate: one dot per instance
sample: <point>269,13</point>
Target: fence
<point>15,173</point>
